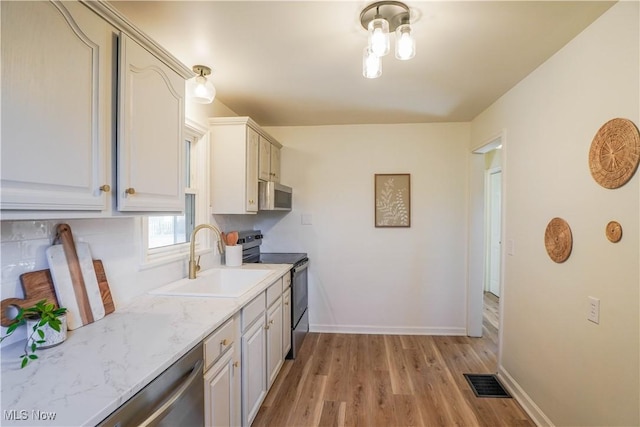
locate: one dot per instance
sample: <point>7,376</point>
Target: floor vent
<point>486,385</point>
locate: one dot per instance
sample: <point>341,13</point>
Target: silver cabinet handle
<point>196,374</point>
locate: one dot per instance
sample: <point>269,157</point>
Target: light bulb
<point>379,36</point>
<point>371,64</point>
<point>405,42</point>
<point>202,90</point>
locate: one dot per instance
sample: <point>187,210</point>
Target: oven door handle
<point>158,414</point>
<point>300,267</point>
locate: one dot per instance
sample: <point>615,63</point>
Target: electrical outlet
<point>594,310</point>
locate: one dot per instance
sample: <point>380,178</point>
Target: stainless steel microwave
<point>274,197</point>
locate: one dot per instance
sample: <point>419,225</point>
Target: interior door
<point>495,230</point>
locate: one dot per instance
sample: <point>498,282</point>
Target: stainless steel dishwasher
<point>174,398</point>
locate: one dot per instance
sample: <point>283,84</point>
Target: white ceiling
<point>296,63</point>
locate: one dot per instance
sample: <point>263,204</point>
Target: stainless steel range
<point>251,241</point>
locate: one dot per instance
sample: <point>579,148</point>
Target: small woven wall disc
<point>614,231</point>
<point>558,240</point>
<point>615,153</point>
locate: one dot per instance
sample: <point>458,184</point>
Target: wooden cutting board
<point>74,279</point>
<point>38,285</point>
<point>103,284</point>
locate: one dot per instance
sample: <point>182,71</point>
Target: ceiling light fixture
<point>379,19</point>
<point>201,89</point>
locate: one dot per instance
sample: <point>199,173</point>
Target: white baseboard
<point>387,330</point>
<point>523,398</point>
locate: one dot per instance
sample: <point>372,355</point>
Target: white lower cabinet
<point>274,340</point>
<point>262,347</point>
<point>254,378</point>
<point>286,321</point>
<point>222,376</point>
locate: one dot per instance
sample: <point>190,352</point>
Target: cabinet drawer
<point>218,342</point>
<point>274,291</point>
<point>252,311</point>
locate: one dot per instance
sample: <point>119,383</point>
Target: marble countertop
<point>103,364</point>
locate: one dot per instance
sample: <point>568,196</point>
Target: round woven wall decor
<point>614,231</point>
<point>615,153</point>
<point>558,240</point>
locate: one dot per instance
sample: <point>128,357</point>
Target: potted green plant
<point>46,327</point>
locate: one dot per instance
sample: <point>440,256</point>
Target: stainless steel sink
<point>216,282</point>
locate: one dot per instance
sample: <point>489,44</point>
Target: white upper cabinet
<point>275,163</point>
<point>264,165</point>
<point>57,78</point>
<point>234,166</point>
<point>61,85</point>
<point>242,154</point>
<point>150,142</point>
<point>269,165</point>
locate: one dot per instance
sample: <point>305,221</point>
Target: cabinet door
<point>56,118</point>
<point>254,377</point>
<point>253,139</point>
<point>264,168</point>
<point>150,141</point>
<point>219,392</point>
<point>286,322</point>
<point>275,163</point>
<point>274,341</point>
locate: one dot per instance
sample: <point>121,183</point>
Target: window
<point>166,237</point>
<point>176,229</point>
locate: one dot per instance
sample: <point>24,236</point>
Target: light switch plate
<point>511,247</point>
<point>594,310</point>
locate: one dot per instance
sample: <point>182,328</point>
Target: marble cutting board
<point>74,279</point>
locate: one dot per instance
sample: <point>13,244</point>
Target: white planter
<point>51,336</point>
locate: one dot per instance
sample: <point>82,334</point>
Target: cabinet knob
<point>235,364</point>
<point>130,191</point>
<point>271,322</point>
<point>266,327</point>
<point>106,188</point>
<point>224,342</point>
<point>286,303</point>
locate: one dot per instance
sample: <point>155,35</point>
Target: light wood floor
<point>388,380</point>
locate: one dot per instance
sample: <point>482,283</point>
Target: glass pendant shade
<point>199,88</point>
<point>371,64</point>
<point>405,43</point>
<point>379,36</point>
<point>202,90</point>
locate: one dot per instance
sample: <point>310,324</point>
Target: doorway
<point>493,225</point>
<point>487,179</point>
<point>493,251</point>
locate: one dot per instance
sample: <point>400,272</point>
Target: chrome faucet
<point>194,266</point>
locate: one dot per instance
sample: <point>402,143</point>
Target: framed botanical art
<point>393,200</point>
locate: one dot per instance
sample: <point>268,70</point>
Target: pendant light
<point>379,19</point>
<point>371,64</point>
<point>379,35</point>
<point>405,43</point>
<point>201,89</point>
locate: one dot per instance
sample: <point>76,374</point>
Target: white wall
<point>574,371</point>
<point>367,279</point>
